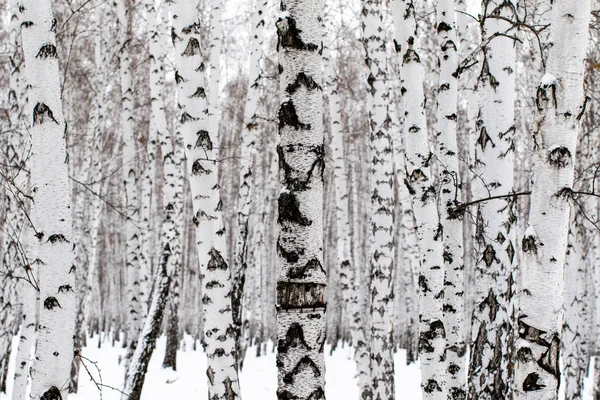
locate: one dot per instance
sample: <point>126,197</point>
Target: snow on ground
<point>258,378</point>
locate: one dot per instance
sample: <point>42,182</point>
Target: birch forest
<point>299,199</point>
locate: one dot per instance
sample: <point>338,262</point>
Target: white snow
<point>258,378</point>
<point>548,80</point>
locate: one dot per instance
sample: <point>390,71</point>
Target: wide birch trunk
<point>560,105</point>
<point>52,196</point>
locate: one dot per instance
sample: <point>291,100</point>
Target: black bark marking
<point>305,363</point>
<point>457,394</point>
<point>211,375</point>
<point>529,245</point>
<point>290,256</point>
<point>491,304</point>
<point>192,48</point>
<point>294,338</point>
<point>51,302</point>
<point>423,284</point>
<point>57,238</point>
<point>229,392</point>
<point>216,261</point>
<point>26,24</point>
<point>560,157</point>
<point>65,289</point>
<point>302,80</point>
<point>530,384</point>
<point>545,95</point>
<point>410,56</point>
<point>443,27</point>
<point>291,180</point>
<point>489,255</point>
<point>510,250</point>
<point>48,50</point>
<point>288,117</point>
<point>303,272</point>
<point>285,395</point>
<point>288,36</point>
<point>52,394</point>
<point>317,394</point>
<point>203,140</point>
<point>185,117</point>
<point>295,295</point>
<point>436,330</point>
<point>432,386</point>
<point>199,93</point>
<point>484,138</point>
<point>549,361</point>
<point>42,113</point>
<point>198,169</point>
<point>289,210</point>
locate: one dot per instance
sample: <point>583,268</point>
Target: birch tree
<point>491,323</point>
<point>201,154</point>
<point>247,153</point>
<point>419,180</point>
<point>52,196</point>
<point>302,279</point>
<point>560,105</point>
<point>382,205</point>
<point>450,196</point>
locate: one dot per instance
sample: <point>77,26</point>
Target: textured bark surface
<point>450,196</point>
<point>419,181</point>
<point>52,196</point>
<point>248,149</point>
<point>491,329</point>
<point>202,157</point>
<point>130,176</point>
<point>382,206</point>
<point>560,105</point>
<point>302,278</point>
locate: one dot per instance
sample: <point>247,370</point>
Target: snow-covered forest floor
<point>258,377</point>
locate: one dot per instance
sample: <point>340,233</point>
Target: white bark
<point>450,197</point>
<point>216,42</point>
<point>130,176</point>
<point>301,279</point>
<point>201,152</point>
<point>491,334</point>
<point>52,196</point>
<point>247,154</point>
<point>560,106</point>
<point>419,180</point>
<point>382,205</point>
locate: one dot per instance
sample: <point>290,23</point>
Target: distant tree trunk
<point>560,103</point>
<point>492,320</point>
<point>201,154</point>
<point>52,196</point>
<point>173,196</point>
<point>136,373</point>
<point>302,279</point>
<point>419,180</point>
<point>574,347</point>
<point>130,176</point>
<point>382,206</point>
<point>246,188</point>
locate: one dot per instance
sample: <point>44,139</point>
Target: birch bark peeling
<point>52,195</point>
<point>560,105</point>
<point>302,278</point>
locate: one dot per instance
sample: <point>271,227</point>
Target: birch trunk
<point>216,41</point>
<point>491,329</point>
<point>382,206</point>
<point>52,196</point>
<point>560,103</point>
<point>450,197</point>
<point>302,279</point>
<point>201,154</point>
<point>248,144</point>
<point>130,176</point>
<point>419,180</point>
